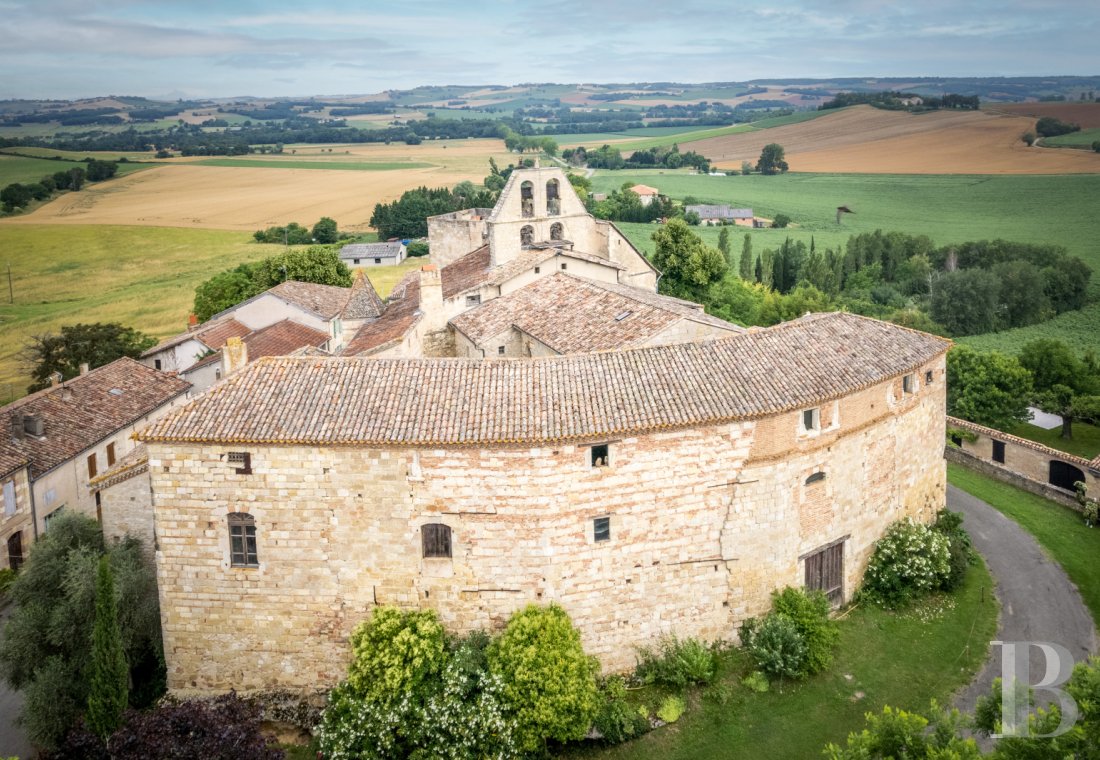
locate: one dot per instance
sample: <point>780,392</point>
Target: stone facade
<point>705,521</point>
<point>16,520</point>
<point>1027,464</point>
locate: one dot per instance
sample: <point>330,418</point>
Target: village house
<point>17,521</point>
<point>715,215</point>
<point>70,432</point>
<point>650,490</point>
<point>373,254</point>
<point>645,193</point>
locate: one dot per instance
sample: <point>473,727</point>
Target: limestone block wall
<point>19,519</point>
<point>704,523</point>
<point>452,236</point>
<point>126,508</point>
<point>638,272</point>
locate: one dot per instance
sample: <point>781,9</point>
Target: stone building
<point>651,490</point>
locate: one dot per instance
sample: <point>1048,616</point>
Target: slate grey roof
<point>390,250</point>
<point>719,212</point>
<point>454,402</point>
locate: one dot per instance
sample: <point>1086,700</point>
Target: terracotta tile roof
<point>475,268</point>
<point>282,338</point>
<point>434,402</point>
<point>133,464</point>
<point>325,301</point>
<point>401,315</point>
<point>645,190</point>
<point>364,301</point>
<point>1017,440</point>
<point>83,411</point>
<point>572,314</point>
<point>10,461</point>
<point>212,334</point>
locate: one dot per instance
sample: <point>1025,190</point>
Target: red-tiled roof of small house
<point>456,402</point>
<point>572,315</point>
<point>401,315</point>
<point>79,413</point>
<point>326,301</point>
<point>212,334</point>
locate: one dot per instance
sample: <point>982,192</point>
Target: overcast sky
<point>216,48</point>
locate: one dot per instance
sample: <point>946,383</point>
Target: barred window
<point>436,538</point>
<point>242,540</point>
<point>241,461</point>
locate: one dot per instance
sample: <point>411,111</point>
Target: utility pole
<point>11,290</point>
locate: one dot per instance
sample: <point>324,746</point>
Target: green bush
<point>809,611</point>
<point>677,662</point>
<point>7,577</point>
<point>617,720</point>
<point>776,645</point>
<point>781,221</point>
<point>961,557</point>
<point>549,682</point>
<point>671,709</point>
<point>417,248</point>
<point>756,681</point>
<point>910,560</point>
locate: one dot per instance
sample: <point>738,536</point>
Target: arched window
<point>527,199</point>
<point>242,540</point>
<point>526,235</point>
<point>436,540</point>
<point>553,199</point>
<point>557,232</point>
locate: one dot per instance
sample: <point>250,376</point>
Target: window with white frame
<point>810,420</point>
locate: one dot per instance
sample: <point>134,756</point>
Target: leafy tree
<point>748,261</point>
<point>407,217</point>
<point>1022,295</point>
<point>724,246</point>
<point>549,682</point>
<point>772,160</point>
<point>97,171</point>
<point>224,290</point>
<point>317,264</point>
<point>325,231</point>
<point>746,168</point>
<point>417,248</point>
<point>292,234</point>
<point>1029,138</point>
<point>689,265</point>
<point>1051,126</point>
<point>966,302</point>
<point>988,388</point>
<point>1064,385</point>
<point>900,734</point>
<point>95,344</point>
<point>109,688</point>
<point>780,221</point>
<point>736,300</point>
<point>46,650</point>
<point>15,196</point>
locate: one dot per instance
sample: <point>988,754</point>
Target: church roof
<point>574,314</point>
<point>448,402</point>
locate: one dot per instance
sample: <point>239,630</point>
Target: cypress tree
<point>724,245</point>
<point>747,260</point>
<point>109,688</point>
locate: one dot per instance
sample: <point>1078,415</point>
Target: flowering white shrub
<point>911,559</point>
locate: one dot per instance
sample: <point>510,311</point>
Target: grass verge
<point>903,659</point>
<point>1059,530</point>
<point>1085,442</point>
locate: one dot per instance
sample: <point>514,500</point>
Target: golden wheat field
<point>255,191</point>
<point>867,140</point>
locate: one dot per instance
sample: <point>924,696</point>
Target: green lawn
<point>292,163</point>
<point>1085,442</point>
<point>1060,530</point>
<point>1082,139</point>
<point>1079,329</point>
<point>884,658</point>
<point>27,169</point>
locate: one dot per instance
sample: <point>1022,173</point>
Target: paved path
<point>1038,600</point>
<point>13,740</point>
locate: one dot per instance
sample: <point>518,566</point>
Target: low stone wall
<point>1026,464</point>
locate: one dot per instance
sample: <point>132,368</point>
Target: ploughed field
<point>1085,115</point>
<point>868,140</point>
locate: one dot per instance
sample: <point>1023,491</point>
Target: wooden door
<point>825,572</point>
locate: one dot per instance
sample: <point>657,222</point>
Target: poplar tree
<point>747,261</point>
<point>724,245</point>
<point>109,690</point>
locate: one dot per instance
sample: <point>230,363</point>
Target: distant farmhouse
<point>646,193</point>
<point>373,254</point>
<point>525,420</point>
<point>713,215</point>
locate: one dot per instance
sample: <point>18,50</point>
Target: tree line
<point>892,100</point>
<point>19,195</point>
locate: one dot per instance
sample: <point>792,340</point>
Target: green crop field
<point>291,163</point>
<point>657,137</point>
<point>27,170</point>
<point>947,208</point>
<point>76,155</point>
<point>1083,139</point>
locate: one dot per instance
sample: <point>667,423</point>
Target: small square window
<point>156,363</point>
<point>355,261</point>
<point>909,384</point>
<point>500,350</point>
<point>435,540</point>
<point>957,440</point>
<point>598,455</point>
<point>110,455</point>
<point>601,529</point>
<point>378,261</point>
<point>537,270</point>
<point>241,461</point>
<point>811,420</point>
<point>928,377</point>
<point>564,265</point>
<point>473,300</point>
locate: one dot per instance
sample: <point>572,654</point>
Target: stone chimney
<point>55,379</point>
<point>234,356</point>
<point>192,321</point>
<point>431,298</point>
<point>83,368</point>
